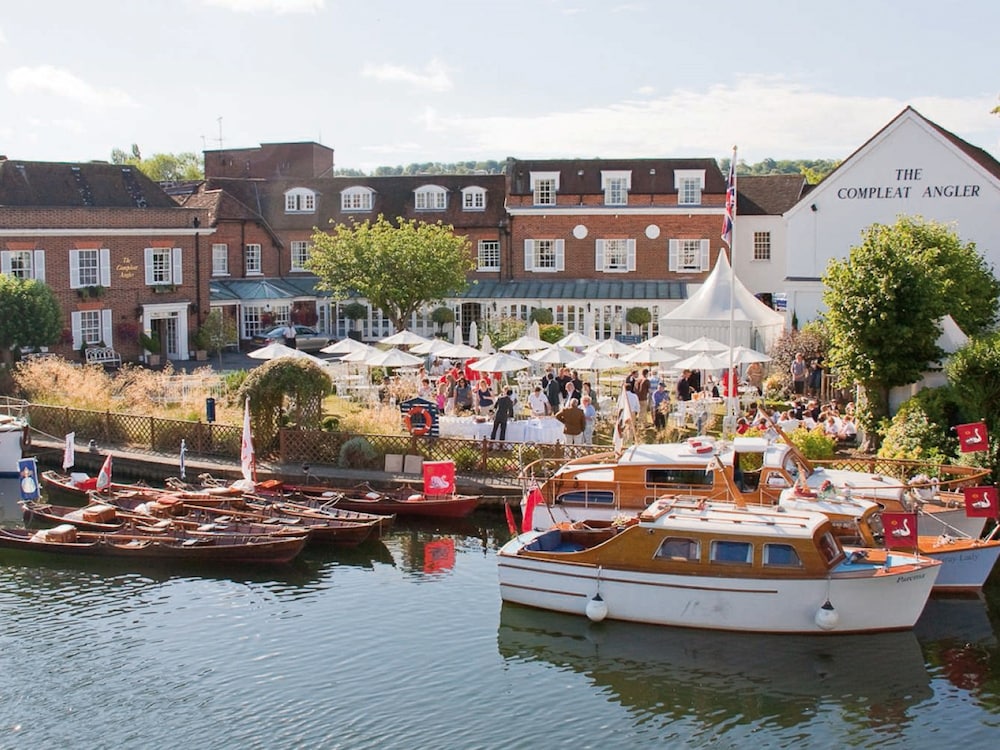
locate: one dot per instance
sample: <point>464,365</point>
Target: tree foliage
<point>397,268</point>
<point>30,315</point>
<point>812,340</point>
<point>284,391</point>
<point>216,333</point>
<point>162,167</point>
<point>974,374</point>
<point>813,170</point>
<point>884,301</point>
<point>638,316</point>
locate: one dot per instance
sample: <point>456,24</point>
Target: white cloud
<point>47,79</point>
<point>273,6</point>
<point>766,116</point>
<point>434,76</point>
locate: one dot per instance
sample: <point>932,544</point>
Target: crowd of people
<point>838,424</point>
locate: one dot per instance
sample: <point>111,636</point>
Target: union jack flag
<point>727,222</point>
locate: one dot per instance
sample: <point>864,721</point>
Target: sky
<point>389,82</point>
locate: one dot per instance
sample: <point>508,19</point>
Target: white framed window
<point>91,327</point>
<point>23,264</point>
<point>762,246</point>
<point>545,187</point>
<point>163,265</point>
<point>688,256</point>
<point>356,198</point>
<point>300,201</point>
<point>689,184</point>
<point>546,256</point>
<point>489,255</point>
<point>430,198</point>
<point>251,260</point>
<point>614,256</point>
<point>473,199</point>
<point>300,254</point>
<point>220,259</point>
<point>616,186</point>
<point>89,268</point>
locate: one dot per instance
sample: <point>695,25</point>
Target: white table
<point>544,430</point>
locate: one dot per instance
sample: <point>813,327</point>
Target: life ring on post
<point>423,426</point>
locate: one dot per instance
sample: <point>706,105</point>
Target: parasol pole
<point>728,235</point>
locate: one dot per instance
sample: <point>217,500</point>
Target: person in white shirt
<point>538,402</point>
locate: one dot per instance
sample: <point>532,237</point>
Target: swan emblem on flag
<point>975,438</point>
<point>439,483</point>
<point>903,529</point>
<point>982,503</point>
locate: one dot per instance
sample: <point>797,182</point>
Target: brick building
<point>119,253</point>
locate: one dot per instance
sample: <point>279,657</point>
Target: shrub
<point>918,432</point>
<point>814,444</point>
<point>466,459</point>
<point>550,333</point>
<point>357,453</point>
<point>541,315</point>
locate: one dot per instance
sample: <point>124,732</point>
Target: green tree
<point>974,374</point>
<point>398,269</point>
<point>216,333</point>
<point>162,167</point>
<point>30,316</point>
<point>884,301</point>
<point>284,391</point>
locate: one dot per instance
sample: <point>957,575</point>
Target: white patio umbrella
<point>660,341</point>
<point>457,334</point>
<point>500,362</point>
<point>554,355</point>
<point>743,355</point>
<point>459,351</point>
<point>610,346</point>
<point>392,358</point>
<point>433,346</point>
<point>358,355</point>
<point>576,339</point>
<point>526,343</point>
<point>702,361</point>
<point>594,361</point>
<point>703,344</point>
<point>404,338</point>
<point>534,329</point>
<point>276,350</point>
<point>345,346</point>
<point>650,356</point>
<point>473,334</point>
<point>486,346</point>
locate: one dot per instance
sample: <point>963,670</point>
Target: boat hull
<point>455,506</point>
<point>869,600</point>
<point>11,446</point>
<point>965,563</point>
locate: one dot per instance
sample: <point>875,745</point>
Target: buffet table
<point>543,430</point>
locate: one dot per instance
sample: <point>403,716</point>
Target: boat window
<point>829,547</point>
<point>732,552</point>
<point>679,477</point>
<point>587,497</point>
<point>783,555</point>
<point>679,548</point>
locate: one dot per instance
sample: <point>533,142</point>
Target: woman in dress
<point>484,396</point>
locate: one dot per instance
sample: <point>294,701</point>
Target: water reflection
<point>717,679</point>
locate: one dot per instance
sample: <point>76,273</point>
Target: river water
<point>403,643</point>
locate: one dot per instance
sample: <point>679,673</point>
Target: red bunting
<point>972,437</point>
<point>900,530</point>
<point>511,524</point>
<point>981,502</point>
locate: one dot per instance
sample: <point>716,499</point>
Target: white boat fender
<point>597,609</point>
<point>827,617</point>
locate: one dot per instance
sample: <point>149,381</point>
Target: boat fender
<point>416,498</point>
<point>597,609</point>
<point>827,617</point>
<point>423,426</point>
<point>25,437</point>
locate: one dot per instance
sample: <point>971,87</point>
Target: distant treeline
<point>813,169</point>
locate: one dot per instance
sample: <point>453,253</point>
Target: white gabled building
<point>911,167</point>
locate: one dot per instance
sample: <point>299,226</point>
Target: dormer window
<point>300,201</point>
<point>616,186</point>
<point>357,198</point>
<point>473,199</point>
<point>430,198</point>
<point>689,184</point>
<point>545,186</point>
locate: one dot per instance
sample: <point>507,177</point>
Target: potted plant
<point>150,343</point>
<point>216,333</point>
<point>638,316</point>
<point>354,311</point>
<point>200,348</point>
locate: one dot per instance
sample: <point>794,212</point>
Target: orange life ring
<point>418,429</point>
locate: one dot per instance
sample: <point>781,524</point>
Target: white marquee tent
<point>706,313</point>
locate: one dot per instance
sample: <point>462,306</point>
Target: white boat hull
<point>11,435</point>
<point>863,601</point>
<point>965,569</point>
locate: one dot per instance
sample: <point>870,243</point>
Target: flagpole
<point>731,223</point>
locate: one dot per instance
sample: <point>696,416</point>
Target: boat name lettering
<point>907,579</point>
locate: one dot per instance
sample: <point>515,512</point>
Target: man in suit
<point>504,410</point>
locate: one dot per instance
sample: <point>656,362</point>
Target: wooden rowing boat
<point>205,548</point>
<point>401,501</point>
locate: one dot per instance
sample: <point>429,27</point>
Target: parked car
<point>307,339</point>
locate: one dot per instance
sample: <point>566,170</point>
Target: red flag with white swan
<point>104,475</point>
<point>981,502</point>
<point>972,437</point>
<point>900,530</point>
